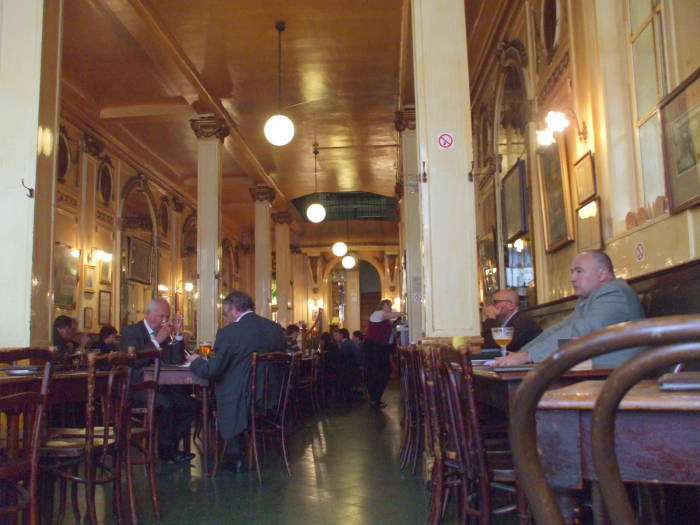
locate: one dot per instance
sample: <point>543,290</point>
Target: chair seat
<point>72,446</point>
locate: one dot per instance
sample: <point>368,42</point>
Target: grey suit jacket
<point>612,303</point>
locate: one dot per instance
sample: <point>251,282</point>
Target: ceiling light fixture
<point>316,212</point>
<point>349,262</point>
<point>340,248</point>
<point>279,129</point>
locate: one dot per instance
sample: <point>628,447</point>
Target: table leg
<point>205,430</point>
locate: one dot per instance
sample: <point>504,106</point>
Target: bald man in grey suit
<point>603,300</point>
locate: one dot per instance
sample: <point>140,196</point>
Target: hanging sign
<point>445,140</point>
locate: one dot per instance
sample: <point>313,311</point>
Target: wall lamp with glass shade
<point>279,129</point>
<point>557,122</point>
<point>316,212</point>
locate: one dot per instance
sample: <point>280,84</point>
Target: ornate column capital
<point>282,217</point>
<point>260,192</point>
<point>405,119</point>
<point>208,126</point>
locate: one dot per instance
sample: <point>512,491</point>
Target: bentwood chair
<point>93,455</point>
<point>142,431</point>
<point>23,414</point>
<point>413,417</point>
<point>673,338</point>
<point>310,384</point>
<point>270,385</point>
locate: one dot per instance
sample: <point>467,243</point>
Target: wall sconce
<point>189,287</point>
<point>557,122</point>
<point>75,253</point>
<point>98,255</point>
<point>163,288</point>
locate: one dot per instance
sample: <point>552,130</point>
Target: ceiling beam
<point>191,180</point>
<point>178,107</point>
<point>142,21</point>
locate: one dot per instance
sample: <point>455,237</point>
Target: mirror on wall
<point>515,232</point>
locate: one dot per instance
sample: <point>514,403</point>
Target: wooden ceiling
<point>140,69</point>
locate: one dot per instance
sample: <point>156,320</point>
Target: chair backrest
<point>111,394</point>
<point>25,411</point>
<point>150,388</point>
<point>658,332</point>
<point>272,377</point>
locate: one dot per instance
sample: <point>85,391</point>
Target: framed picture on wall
<point>488,261</point>
<point>104,307</point>
<point>584,177</point>
<point>87,318</point>
<point>554,193</point>
<point>588,226</point>
<point>106,272</point>
<point>140,253</point>
<point>88,278</point>
<point>514,202</point>
<point>65,277</point>
<point>679,113</point>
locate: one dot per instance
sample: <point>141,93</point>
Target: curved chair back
<point>657,332</point>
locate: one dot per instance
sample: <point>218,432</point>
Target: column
<point>352,300</point>
<point>410,221</point>
<point>263,196</point>
<point>30,54</point>
<point>300,277</point>
<point>443,132</point>
<point>284,266</point>
<point>210,132</point>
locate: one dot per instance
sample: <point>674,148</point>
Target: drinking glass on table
<point>205,348</point>
<point>502,335</point>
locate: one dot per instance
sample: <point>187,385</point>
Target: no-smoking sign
<point>445,140</point>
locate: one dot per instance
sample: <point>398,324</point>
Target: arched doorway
<point>370,292</point>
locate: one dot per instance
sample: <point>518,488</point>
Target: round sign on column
<point>445,140</point>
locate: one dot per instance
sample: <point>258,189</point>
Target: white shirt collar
<point>243,314</point>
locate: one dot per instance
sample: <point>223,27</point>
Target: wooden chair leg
<point>151,463</point>
<point>130,483</point>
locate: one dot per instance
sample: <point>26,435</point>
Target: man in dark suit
<point>504,311</point>
<point>230,365</point>
<point>176,408</point>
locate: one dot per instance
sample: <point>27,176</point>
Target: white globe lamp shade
<point>316,212</point>
<point>339,249</point>
<point>348,262</point>
<point>279,130</point>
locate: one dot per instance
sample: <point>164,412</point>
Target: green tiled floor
<point>344,471</point>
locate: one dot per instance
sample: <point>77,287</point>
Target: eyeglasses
<point>495,301</point>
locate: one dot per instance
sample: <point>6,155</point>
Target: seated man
<point>65,333</point>
<point>603,300</point>
<point>230,365</point>
<point>292,335</point>
<point>349,362</point>
<point>504,311</point>
<point>176,408</point>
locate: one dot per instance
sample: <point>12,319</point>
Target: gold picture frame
<point>88,278</point>
<point>553,178</point>
<point>584,178</point>
<point>588,226</point>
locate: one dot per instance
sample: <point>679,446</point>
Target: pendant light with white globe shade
<point>316,212</point>
<point>349,262</point>
<point>339,249</point>
<point>279,129</point>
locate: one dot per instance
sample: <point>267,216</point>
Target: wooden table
<point>183,376</point>
<point>657,436</point>
<point>495,387</point>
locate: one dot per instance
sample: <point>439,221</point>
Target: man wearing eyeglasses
<point>504,311</point>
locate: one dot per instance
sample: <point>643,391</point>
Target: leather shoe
<point>182,457</point>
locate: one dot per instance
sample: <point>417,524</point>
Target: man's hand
<point>83,340</point>
<point>191,357</point>
<point>490,311</point>
<point>164,333</point>
<point>177,323</point>
<point>513,359</point>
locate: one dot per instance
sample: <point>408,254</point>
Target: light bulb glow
<point>556,121</point>
<point>163,288</point>
<point>519,245</point>
<point>75,253</point>
<point>348,262</point>
<point>189,287</point>
<point>339,249</point>
<point>279,130</point>
<point>545,137</point>
<point>316,212</point>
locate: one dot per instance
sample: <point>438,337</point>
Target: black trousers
<point>176,411</point>
<point>378,369</point>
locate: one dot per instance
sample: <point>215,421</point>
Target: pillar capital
<point>260,192</point>
<point>208,126</point>
<point>405,119</point>
<point>282,217</point>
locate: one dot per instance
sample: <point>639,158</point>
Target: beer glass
<point>502,335</point>
<point>205,348</point>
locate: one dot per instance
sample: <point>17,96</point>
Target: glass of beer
<point>205,348</point>
<point>502,335</point>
